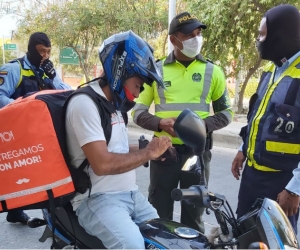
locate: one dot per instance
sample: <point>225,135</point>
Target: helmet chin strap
<point>122,104</point>
<point>128,94</point>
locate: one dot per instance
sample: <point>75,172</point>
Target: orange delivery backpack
<point>35,170</point>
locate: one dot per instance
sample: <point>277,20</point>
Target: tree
<point>83,24</point>
<point>9,55</point>
<point>230,36</point>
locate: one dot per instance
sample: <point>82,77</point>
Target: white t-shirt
<point>83,125</point>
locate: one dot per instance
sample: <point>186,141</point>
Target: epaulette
<point>207,59</point>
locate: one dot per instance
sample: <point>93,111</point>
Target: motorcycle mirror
<point>190,128</point>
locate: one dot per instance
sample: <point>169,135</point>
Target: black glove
<point>48,68</point>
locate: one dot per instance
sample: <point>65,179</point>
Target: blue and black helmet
<point>125,55</point>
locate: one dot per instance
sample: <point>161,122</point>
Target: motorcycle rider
<point>115,204</point>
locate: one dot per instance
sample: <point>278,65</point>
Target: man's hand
<point>167,124</point>
<point>48,68</point>
<point>158,146</point>
<point>289,203</point>
<point>237,164</point>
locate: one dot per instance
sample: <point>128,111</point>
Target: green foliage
<point>249,91</point>
<point>231,92</point>
<point>232,29</point>
<point>229,39</point>
<point>9,55</point>
<point>84,24</point>
<point>251,87</point>
<point>231,33</point>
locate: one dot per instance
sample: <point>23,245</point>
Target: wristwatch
<point>291,193</point>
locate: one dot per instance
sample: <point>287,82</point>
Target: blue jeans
<point>113,218</point>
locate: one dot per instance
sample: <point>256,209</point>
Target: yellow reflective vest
<point>194,87</point>
<point>273,136</point>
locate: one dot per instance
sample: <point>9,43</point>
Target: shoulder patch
<point>1,80</point>
<point>3,73</point>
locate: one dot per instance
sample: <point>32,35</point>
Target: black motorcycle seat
<point>68,219</point>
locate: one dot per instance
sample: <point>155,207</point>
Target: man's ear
<point>172,39</point>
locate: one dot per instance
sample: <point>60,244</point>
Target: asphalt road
<point>16,236</point>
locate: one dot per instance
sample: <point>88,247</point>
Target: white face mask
<point>192,46</point>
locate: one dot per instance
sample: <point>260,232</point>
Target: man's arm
<point>221,103</point>
<point>238,162</point>
<point>144,119</point>
<point>10,75</point>
<point>106,163</point>
<point>140,113</point>
<point>84,123</point>
<point>133,148</point>
<point>289,198</point>
<point>59,84</point>
<point>294,184</point>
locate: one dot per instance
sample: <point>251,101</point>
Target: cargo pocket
<point>282,148</point>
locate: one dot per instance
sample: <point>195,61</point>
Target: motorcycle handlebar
<point>181,194</point>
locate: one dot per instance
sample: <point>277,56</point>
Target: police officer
<point>191,82</point>
<point>32,72</point>
<point>37,71</point>
<point>272,137</point>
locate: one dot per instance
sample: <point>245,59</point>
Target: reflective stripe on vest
<point>202,108</point>
<point>26,72</point>
<point>32,161</point>
<point>28,81</point>
<point>163,106</point>
<point>257,140</point>
<point>36,189</point>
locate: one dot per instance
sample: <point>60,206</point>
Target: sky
<point>8,23</point>
<point>9,20</point>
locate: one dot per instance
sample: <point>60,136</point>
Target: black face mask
<point>283,34</point>
<point>33,55</point>
<point>123,105</point>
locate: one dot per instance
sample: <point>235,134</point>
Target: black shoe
<point>17,216</point>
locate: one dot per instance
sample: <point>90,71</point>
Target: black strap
<point>41,83</point>
<point>105,108</point>
<point>4,206</point>
<point>53,214</point>
<point>82,166</point>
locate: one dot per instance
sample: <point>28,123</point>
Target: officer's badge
<point>1,80</point>
<point>196,77</point>
<point>167,83</point>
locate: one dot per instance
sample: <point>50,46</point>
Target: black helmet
<point>125,55</point>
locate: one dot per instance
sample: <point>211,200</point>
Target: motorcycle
<point>265,226</point>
